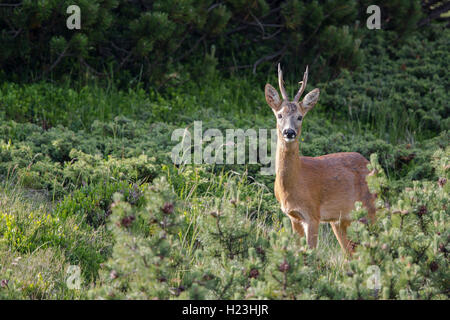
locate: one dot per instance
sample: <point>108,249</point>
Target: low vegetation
<point>87,180</point>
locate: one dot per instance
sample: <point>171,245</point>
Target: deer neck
<point>288,162</point>
<point>288,168</point>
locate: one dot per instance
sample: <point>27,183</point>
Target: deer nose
<point>289,133</point>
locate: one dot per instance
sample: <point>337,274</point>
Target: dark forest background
<point>168,42</point>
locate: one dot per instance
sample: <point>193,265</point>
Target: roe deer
<point>314,189</point>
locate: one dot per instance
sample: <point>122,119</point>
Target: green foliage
<point>91,203</point>
<point>403,255</point>
<point>27,227</point>
<point>28,234</point>
<point>86,177</point>
<point>86,149</point>
<point>147,251</point>
<point>408,244</point>
<point>160,41</point>
<point>60,160</point>
<point>402,81</point>
<point>401,16</point>
<point>37,275</point>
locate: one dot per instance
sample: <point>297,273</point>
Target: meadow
<point>86,180</point>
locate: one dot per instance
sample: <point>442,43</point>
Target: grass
<point>35,269</point>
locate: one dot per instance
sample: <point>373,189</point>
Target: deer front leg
<point>312,232</point>
<point>297,226</point>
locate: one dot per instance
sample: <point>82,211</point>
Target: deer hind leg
<point>368,200</point>
<point>340,231</point>
<point>370,205</point>
<point>297,227</point>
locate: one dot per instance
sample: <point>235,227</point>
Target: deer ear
<point>272,97</point>
<point>310,100</point>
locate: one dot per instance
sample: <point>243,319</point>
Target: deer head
<point>290,114</point>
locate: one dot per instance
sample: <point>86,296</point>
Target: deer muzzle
<point>289,134</point>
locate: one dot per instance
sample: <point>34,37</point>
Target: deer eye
<point>300,118</point>
<point>280,116</point>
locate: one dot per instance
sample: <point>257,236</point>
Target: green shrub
<point>407,246</point>
<point>147,251</point>
<point>404,81</point>
<point>91,203</point>
<point>159,41</point>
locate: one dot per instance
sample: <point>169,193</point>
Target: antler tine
<point>303,87</point>
<point>281,83</point>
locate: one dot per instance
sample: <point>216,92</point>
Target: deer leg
<point>368,201</point>
<point>298,227</point>
<point>371,208</point>
<point>340,231</point>
<point>312,233</point>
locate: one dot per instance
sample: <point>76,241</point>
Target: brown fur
<point>321,189</point>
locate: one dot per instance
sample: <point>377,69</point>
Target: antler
<point>303,87</point>
<point>281,83</point>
